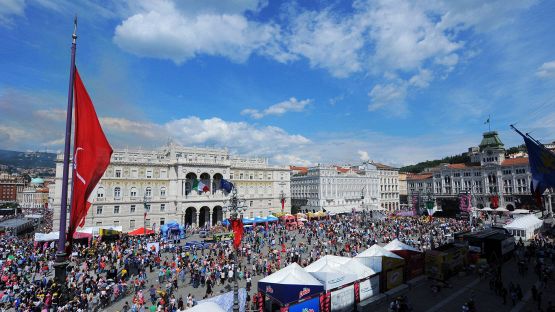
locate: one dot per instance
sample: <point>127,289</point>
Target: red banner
<point>237,227</point>
<point>91,155</point>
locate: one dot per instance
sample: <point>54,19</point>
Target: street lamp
<point>145,205</point>
<point>282,200</point>
<point>236,207</point>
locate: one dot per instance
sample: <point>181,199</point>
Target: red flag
<point>91,155</point>
<point>237,227</point>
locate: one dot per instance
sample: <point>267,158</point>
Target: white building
<point>34,196</point>
<point>389,186</point>
<point>162,181</point>
<point>488,174</point>
<point>336,189</point>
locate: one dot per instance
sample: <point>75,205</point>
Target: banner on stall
<point>343,299</point>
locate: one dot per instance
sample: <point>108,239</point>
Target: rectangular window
<point>118,173</point>
<point>163,174</point>
<point>231,175</point>
<point>147,207</point>
<point>134,173</point>
<point>240,176</point>
<point>98,210</point>
<point>132,224</point>
<point>162,221</point>
<point>162,208</point>
<point>116,209</point>
<point>269,203</point>
<point>132,209</point>
<point>149,173</point>
<point>116,223</point>
<point>250,203</point>
<point>147,222</point>
<point>99,223</point>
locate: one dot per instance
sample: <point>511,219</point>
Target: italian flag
<point>199,186</point>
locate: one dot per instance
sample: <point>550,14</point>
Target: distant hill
<point>27,160</point>
<point>419,167</point>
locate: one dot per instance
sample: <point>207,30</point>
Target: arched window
<point>117,192</point>
<point>148,192</point>
<point>133,192</point>
<point>163,191</point>
<point>100,192</point>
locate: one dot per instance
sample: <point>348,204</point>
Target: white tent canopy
<point>331,272</point>
<point>398,245</point>
<point>292,274</point>
<point>372,257</point>
<point>520,211</point>
<point>524,227</point>
<point>47,237</point>
<point>206,306</point>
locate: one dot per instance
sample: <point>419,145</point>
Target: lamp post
<point>282,200</point>
<point>145,205</point>
<point>236,207</point>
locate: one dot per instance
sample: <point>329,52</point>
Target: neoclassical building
<point>389,186</point>
<point>336,189</point>
<point>489,173</point>
<point>163,180</point>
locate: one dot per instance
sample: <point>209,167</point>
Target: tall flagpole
<point>61,256</point>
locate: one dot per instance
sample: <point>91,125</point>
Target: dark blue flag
<point>542,165</point>
<point>226,185</point>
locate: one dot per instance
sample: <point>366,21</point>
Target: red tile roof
<point>302,170</point>
<point>521,161</point>
<point>341,169</point>
<point>419,176</point>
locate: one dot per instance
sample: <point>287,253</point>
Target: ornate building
<point>336,189</point>
<point>389,186</point>
<point>163,181</point>
<point>487,175</point>
<point>33,197</point>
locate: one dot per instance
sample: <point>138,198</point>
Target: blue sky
<point>334,82</point>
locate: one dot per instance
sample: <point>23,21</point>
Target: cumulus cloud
<point>9,9</point>
<point>546,70</point>
<point>363,155</point>
<point>167,30</point>
<point>290,105</point>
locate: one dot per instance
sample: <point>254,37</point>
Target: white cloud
<point>363,155</point>
<point>290,105</point>
<point>422,79</point>
<point>390,97</point>
<point>167,30</point>
<point>9,9</point>
<point>546,70</point>
<point>327,41</point>
<point>51,114</point>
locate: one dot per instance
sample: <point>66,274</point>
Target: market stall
<point>288,287</point>
<point>445,261</point>
<point>140,231</point>
<point>525,227</point>
<point>414,258</point>
<point>389,265</point>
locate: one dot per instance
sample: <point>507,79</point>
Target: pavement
<point>420,296</point>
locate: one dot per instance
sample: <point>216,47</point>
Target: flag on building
<point>201,187</point>
<point>91,155</point>
<point>237,227</point>
<point>226,185</point>
<point>542,166</point>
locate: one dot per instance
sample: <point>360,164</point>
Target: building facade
<point>33,197</point>
<point>389,187</point>
<point>336,189</point>
<point>489,178</point>
<point>403,191</point>
<point>161,183</point>
<point>9,187</point>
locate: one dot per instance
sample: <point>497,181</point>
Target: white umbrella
<point>502,209</point>
<point>520,211</point>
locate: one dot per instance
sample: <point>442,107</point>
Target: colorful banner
<point>343,299</point>
<point>394,278</point>
<point>312,305</point>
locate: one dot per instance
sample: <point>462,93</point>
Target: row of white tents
<point>338,279</point>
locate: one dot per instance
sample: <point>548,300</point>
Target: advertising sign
<point>394,278</point>
<point>369,287</point>
<point>154,247</point>
<point>312,305</point>
<point>343,299</point>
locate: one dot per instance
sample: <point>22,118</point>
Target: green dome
<point>37,181</point>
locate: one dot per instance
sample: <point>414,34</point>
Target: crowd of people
<point>156,274</point>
